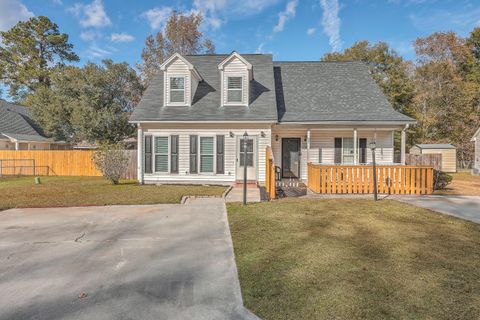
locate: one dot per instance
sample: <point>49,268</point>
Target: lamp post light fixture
<point>373,146</point>
<point>245,145</point>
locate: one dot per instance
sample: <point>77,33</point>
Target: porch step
<point>289,183</point>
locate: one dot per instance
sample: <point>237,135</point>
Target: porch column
<point>17,145</point>
<point>402,147</point>
<point>355,146</point>
<point>308,145</point>
<point>140,154</point>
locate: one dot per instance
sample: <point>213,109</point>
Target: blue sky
<point>290,30</point>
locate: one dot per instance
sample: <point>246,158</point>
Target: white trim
<point>341,122</point>
<point>206,121</point>
<point>190,66</point>
<point>169,98</point>
<point>154,154</point>
<point>476,135</point>
<point>234,54</point>
<point>199,171</point>
<point>242,90</point>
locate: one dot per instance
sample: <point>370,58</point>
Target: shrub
<point>111,160</point>
<point>441,180</point>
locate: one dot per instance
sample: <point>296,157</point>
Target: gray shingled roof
<point>435,146</point>
<point>282,91</point>
<point>206,100</point>
<point>15,122</point>
<point>330,91</point>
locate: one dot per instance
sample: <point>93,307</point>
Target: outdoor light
<point>231,134</point>
<point>276,137</point>
<point>305,139</point>
<point>373,146</point>
<point>262,134</point>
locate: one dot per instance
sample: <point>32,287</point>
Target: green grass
<point>355,259</point>
<point>79,191</point>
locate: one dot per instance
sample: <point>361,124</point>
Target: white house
<point>476,161</point>
<point>192,118</point>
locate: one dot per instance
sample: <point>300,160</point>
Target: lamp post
<point>245,145</point>
<point>373,146</point>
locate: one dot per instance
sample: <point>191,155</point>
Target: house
<point>193,118</point>
<point>19,132</point>
<point>448,152</point>
<point>476,161</point>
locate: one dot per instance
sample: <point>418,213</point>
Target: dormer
<point>180,80</point>
<point>235,74</point>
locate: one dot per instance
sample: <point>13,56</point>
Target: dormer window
<point>235,89</point>
<point>177,90</point>
<point>235,73</point>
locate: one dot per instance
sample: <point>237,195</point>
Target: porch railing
<point>391,179</point>
<point>270,173</point>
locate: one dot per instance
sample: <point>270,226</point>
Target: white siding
<point>184,132</point>
<point>477,153</point>
<point>324,142</point>
<point>449,158</point>
<point>235,67</point>
<point>178,68</point>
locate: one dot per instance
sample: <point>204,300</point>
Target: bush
<point>111,160</point>
<point>441,180</point>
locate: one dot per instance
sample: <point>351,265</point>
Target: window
<point>161,154</point>
<point>206,154</point>
<point>235,89</point>
<point>347,151</point>
<point>177,89</point>
<point>249,152</point>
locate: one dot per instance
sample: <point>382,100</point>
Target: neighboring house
<point>476,161</point>
<point>19,132</point>
<point>192,118</point>
<point>448,152</point>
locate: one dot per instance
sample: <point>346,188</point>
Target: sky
<point>288,29</point>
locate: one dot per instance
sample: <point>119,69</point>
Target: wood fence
<point>394,179</point>
<point>57,163</point>
<point>430,160</point>
<point>270,173</point>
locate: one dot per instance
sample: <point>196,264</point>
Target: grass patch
<point>355,259</point>
<point>78,191</point>
<point>463,183</point>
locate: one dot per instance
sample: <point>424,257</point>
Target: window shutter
<point>363,150</point>
<point>220,154</point>
<point>338,150</point>
<point>148,154</point>
<point>193,153</point>
<point>173,154</point>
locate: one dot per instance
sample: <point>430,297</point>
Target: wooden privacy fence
<point>394,179</point>
<point>430,160</point>
<point>270,173</point>
<point>57,163</point>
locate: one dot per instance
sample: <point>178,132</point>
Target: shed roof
<point>435,146</point>
<point>15,122</point>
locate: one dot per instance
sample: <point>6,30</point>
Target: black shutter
<point>220,154</point>
<point>193,154</point>
<point>363,150</point>
<point>338,150</point>
<point>173,154</point>
<point>148,154</point>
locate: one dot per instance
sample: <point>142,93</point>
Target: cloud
<point>286,15</point>
<point>11,12</point>
<point>311,31</point>
<point>260,48</point>
<point>121,37</point>
<point>96,52</point>
<point>461,19</point>
<point>157,17</point>
<point>88,35</point>
<point>57,2</point>
<point>91,15</point>
<point>331,23</point>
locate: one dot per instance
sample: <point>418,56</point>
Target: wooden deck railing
<point>391,179</point>
<point>270,173</point>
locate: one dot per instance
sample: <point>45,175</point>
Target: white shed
<point>448,152</point>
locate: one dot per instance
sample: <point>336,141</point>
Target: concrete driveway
<point>464,207</point>
<point>119,262</point>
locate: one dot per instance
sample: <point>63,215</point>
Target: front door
<point>251,159</point>
<point>291,157</point>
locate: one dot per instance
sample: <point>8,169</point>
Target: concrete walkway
<point>119,262</point>
<point>236,194</point>
<point>464,207</point>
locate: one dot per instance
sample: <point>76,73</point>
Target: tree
<point>90,103</point>
<point>29,52</point>
<point>388,69</point>
<point>111,160</point>
<point>447,96</point>
<point>181,35</point>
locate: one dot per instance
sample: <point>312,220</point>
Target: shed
<point>448,152</point>
<point>476,160</point>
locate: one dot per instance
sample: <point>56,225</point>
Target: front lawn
<point>463,183</point>
<point>80,191</point>
<point>355,259</point>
